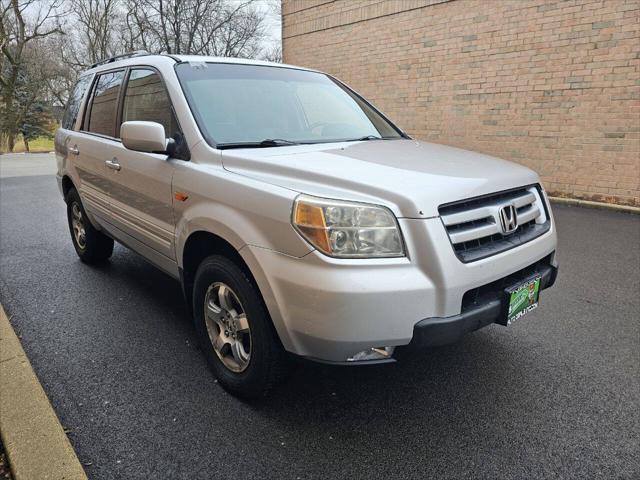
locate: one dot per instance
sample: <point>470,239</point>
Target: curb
<point>589,204</point>
<point>33,438</point>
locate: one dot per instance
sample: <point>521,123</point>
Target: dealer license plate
<point>523,299</point>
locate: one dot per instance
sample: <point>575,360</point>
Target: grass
<point>39,145</point>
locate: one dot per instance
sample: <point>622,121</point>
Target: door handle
<point>73,150</point>
<point>113,164</point>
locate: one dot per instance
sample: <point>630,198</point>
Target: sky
<point>272,23</point>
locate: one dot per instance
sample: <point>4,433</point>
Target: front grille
<point>495,290</point>
<point>474,225</point>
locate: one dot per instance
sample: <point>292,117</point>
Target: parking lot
<point>554,396</point>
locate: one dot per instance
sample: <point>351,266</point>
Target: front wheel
<point>235,330</point>
<point>92,246</point>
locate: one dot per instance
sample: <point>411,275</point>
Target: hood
<point>410,177</point>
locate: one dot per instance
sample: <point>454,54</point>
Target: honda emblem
<point>508,219</point>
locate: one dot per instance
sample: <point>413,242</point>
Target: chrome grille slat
<point>468,216</point>
<point>473,233</point>
<point>531,213</point>
<point>523,200</point>
<point>474,226</point>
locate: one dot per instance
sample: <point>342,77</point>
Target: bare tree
<point>199,27</point>
<point>18,31</point>
<point>273,54</point>
<point>60,72</point>
<point>82,32</point>
<point>93,34</point>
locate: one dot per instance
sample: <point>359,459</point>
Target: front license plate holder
<point>521,299</point>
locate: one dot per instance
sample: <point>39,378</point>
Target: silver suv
<point>298,219</point>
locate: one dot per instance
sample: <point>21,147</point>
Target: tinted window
<point>73,106</point>
<point>146,99</point>
<point>240,104</point>
<point>105,103</point>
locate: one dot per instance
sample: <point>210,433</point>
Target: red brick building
<point>554,85</point>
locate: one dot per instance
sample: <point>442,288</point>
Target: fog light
<point>375,353</point>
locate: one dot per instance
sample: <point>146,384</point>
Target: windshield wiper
<point>267,142</point>
<point>365,138</point>
<point>277,142</point>
<point>372,137</point>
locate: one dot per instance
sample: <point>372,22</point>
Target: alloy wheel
<point>227,327</point>
<point>77,223</point>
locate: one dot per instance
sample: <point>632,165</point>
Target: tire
<point>92,246</point>
<point>248,327</point>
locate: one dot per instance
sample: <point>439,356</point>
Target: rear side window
<point>75,100</point>
<point>104,106</point>
<point>146,99</point>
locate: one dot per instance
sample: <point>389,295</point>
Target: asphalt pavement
<point>554,396</point>
<point>27,164</point>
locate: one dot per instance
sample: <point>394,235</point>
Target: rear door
<point>141,196</point>
<point>66,136</point>
<point>96,143</point>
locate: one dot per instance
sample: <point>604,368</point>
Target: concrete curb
<point>33,437</point>
<point>590,204</point>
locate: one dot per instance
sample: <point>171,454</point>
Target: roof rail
<point>137,53</point>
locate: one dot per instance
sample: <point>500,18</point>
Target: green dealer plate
<point>523,299</point>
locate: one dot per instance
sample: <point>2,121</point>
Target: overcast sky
<point>272,22</point>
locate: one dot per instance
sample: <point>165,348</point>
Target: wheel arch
<point>199,245</point>
<point>202,243</point>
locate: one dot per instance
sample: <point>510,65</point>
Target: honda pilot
<point>298,219</point>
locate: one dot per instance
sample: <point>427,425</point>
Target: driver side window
<point>146,99</point>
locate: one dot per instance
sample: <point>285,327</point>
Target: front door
<point>141,196</point>
<point>141,199</point>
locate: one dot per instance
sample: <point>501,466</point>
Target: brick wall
<point>554,85</point>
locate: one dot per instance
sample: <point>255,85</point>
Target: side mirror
<point>144,137</point>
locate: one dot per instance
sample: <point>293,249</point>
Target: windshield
<point>238,105</point>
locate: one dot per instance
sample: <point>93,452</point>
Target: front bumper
<point>330,309</point>
<point>490,308</point>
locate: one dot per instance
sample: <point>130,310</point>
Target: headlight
<point>348,230</point>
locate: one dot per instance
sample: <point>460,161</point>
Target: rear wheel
<point>235,330</point>
<point>92,246</point>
